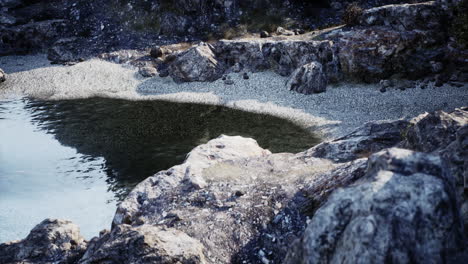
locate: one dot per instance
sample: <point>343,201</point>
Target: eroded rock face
<point>393,214</point>
<point>422,16</point>
<point>308,79</point>
<point>2,76</point>
<point>144,244</point>
<point>197,64</point>
<point>281,56</point>
<point>368,139</point>
<point>52,241</point>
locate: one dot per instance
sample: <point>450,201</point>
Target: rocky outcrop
<point>393,214</point>
<point>2,76</point>
<point>52,241</point>
<point>368,139</point>
<point>143,244</point>
<point>281,56</point>
<point>196,64</point>
<point>309,78</point>
<point>405,17</point>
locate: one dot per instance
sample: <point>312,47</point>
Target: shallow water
<point>76,159</point>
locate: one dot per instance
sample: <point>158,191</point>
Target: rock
<point>156,52</point>
<point>308,79</point>
<point>227,194</point>
<point>51,241</point>
<point>429,132</point>
<point>284,32</point>
<point>144,244</point>
<point>245,76</point>
<point>386,84</point>
<point>2,76</point>
<point>264,34</point>
<point>368,139</point>
<point>197,64</point>
<point>63,51</point>
<point>404,17</point>
<point>31,37</point>
<point>392,214</point>
<point>281,56</point>
<point>148,72</point>
<point>228,82</point>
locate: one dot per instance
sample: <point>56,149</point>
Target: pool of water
<point>77,159</point>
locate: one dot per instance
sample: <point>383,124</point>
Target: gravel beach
<point>335,113</point>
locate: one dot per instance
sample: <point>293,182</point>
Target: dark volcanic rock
<point>308,79</point>
<point>393,214</point>
<point>144,244</point>
<point>52,241</point>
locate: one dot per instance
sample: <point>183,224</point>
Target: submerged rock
<point>308,79</point>
<point>51,241</point>
<point>392,214</point>
<point>197,64</point>
<point>144,244</point>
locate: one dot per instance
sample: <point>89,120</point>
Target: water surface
<point>76,159</point>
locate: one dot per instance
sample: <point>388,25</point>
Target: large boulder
<point>403,210</point>
<point>308,79</point>
<point>51,241</point>
<point>2,76</point>
<point>144,244</point>
<point>197,64</point>
<point>241,202</point>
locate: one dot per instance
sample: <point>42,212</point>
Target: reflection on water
<point>75,159</point>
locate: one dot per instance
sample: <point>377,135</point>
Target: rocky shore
<point>391,191</point>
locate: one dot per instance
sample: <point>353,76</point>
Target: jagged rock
<point>234,197</point>
<point>196,64</point>
<point>308,79</point>
<point>368,139</point>
<point>404,17</point>
<point>392,214</point>
<point>375,53</point>
<point>144,244</point>
<point>34,36</point>
<point>2,76</point>
<point>148,72</point>
<point>281,56</point>
<point>432,131</point>
<point>51,241</point>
